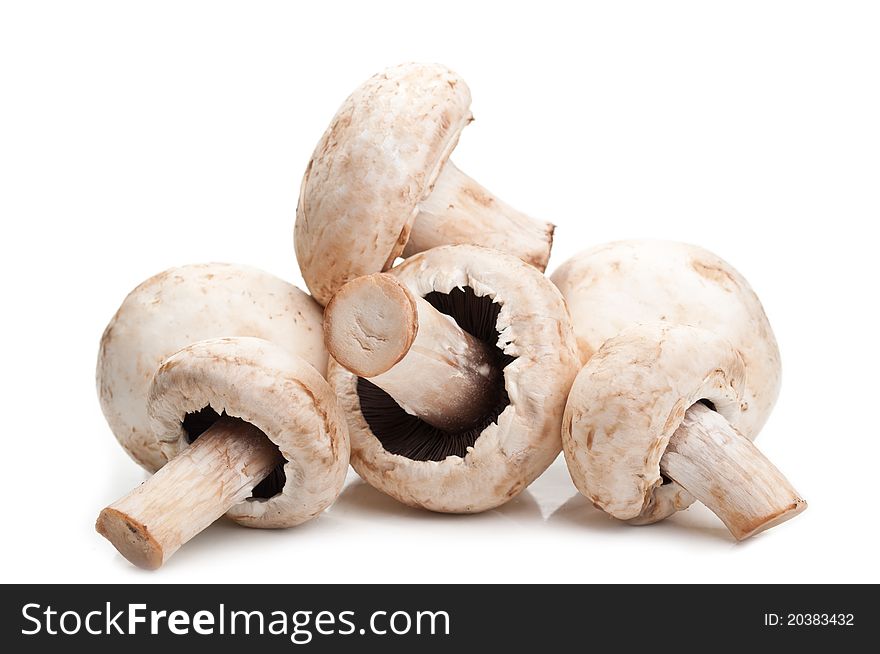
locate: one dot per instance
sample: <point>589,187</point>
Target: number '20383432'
<point>809,619</point>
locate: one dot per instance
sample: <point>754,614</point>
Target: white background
<point>134,137</point>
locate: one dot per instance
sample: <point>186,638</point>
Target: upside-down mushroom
<point>452,370</point>
<point>682,370</point>
<point>379,184</point>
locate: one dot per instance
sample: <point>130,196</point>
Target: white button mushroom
<point>269,446</point>
<point>181,306</point>
<point>686,372</point>
<point>458,412</point>
<point>379,184</point>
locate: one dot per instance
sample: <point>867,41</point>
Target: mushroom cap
<point>627,402</point>
<point>187,304</point>
<point>276,391</point>
<point>375,163</point>
<point>614,286</point>
<point>509,454</point>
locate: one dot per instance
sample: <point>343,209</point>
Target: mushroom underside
<point>407,435</point>
<point>198,422</point>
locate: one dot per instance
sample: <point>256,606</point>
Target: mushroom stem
<point>459,210</point>
<point>216,472</point>
<point>432,368</point>
<point>727,473</point>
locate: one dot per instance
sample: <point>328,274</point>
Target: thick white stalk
<point>219,470</point>
<point>726,472</point>
<point>433,369</point>
<point>460,211</point>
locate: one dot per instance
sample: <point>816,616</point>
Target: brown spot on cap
<point>715,273</point>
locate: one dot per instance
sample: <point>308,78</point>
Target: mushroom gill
<point>407,435</point>
<point>198,422</point>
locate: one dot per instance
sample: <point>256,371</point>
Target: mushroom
<point>452,370</point>
<point>181,306</point>
<point>682,370</point>
<point>189,304</point>
<point>267,407</point>
<point>379,184</point>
